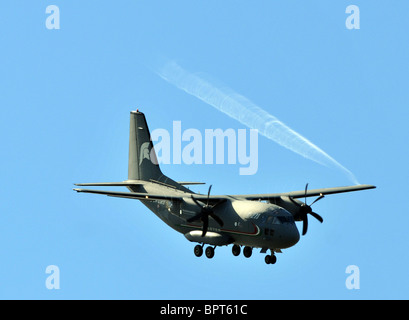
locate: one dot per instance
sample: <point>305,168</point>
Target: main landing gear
<point>198,250</point>
<point>209,252</point>
<point>247,251</point>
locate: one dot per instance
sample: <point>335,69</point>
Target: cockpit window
<point>285,219</point>
<point>272,220</point>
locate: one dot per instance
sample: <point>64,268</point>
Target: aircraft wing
<point>215,199</point>
<point>302,194</point>
<point>132,195</point>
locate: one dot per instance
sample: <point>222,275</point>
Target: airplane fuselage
<point>246,223</point>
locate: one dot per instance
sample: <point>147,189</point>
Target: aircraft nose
<point>293,236</point>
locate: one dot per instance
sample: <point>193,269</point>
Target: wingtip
<point>366,186</point>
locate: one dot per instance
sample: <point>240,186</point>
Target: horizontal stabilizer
<point>132,195</point>
<point>112,184</point>
<point>188,183</point>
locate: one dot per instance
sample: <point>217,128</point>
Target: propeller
<point>206,211</point>
<point>306,209</point>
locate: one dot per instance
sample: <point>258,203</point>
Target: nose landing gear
<point>270,259</point>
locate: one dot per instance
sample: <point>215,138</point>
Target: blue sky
<point>65,97</point>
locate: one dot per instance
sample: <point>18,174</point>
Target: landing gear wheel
<point>236,250</point>
<point>247,251</point>
<point>198,250</point>
<point>209,252</point>
<point>270,259</point>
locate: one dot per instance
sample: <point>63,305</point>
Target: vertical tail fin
<point>143,163</point>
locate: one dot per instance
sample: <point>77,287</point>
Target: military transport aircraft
<point>265,221</point>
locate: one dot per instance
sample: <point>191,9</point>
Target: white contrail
<point>240,108</point>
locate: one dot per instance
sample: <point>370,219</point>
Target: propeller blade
<point>318,199</point>
<point>197,202</point>
<point>218,220</point>
<point>195,217</point>
<point>205,220</point>
<point>219,202</point>
<point>305,194</point>
<point>304,225</point>
<point>208,194</point>
<point>317,216</point>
